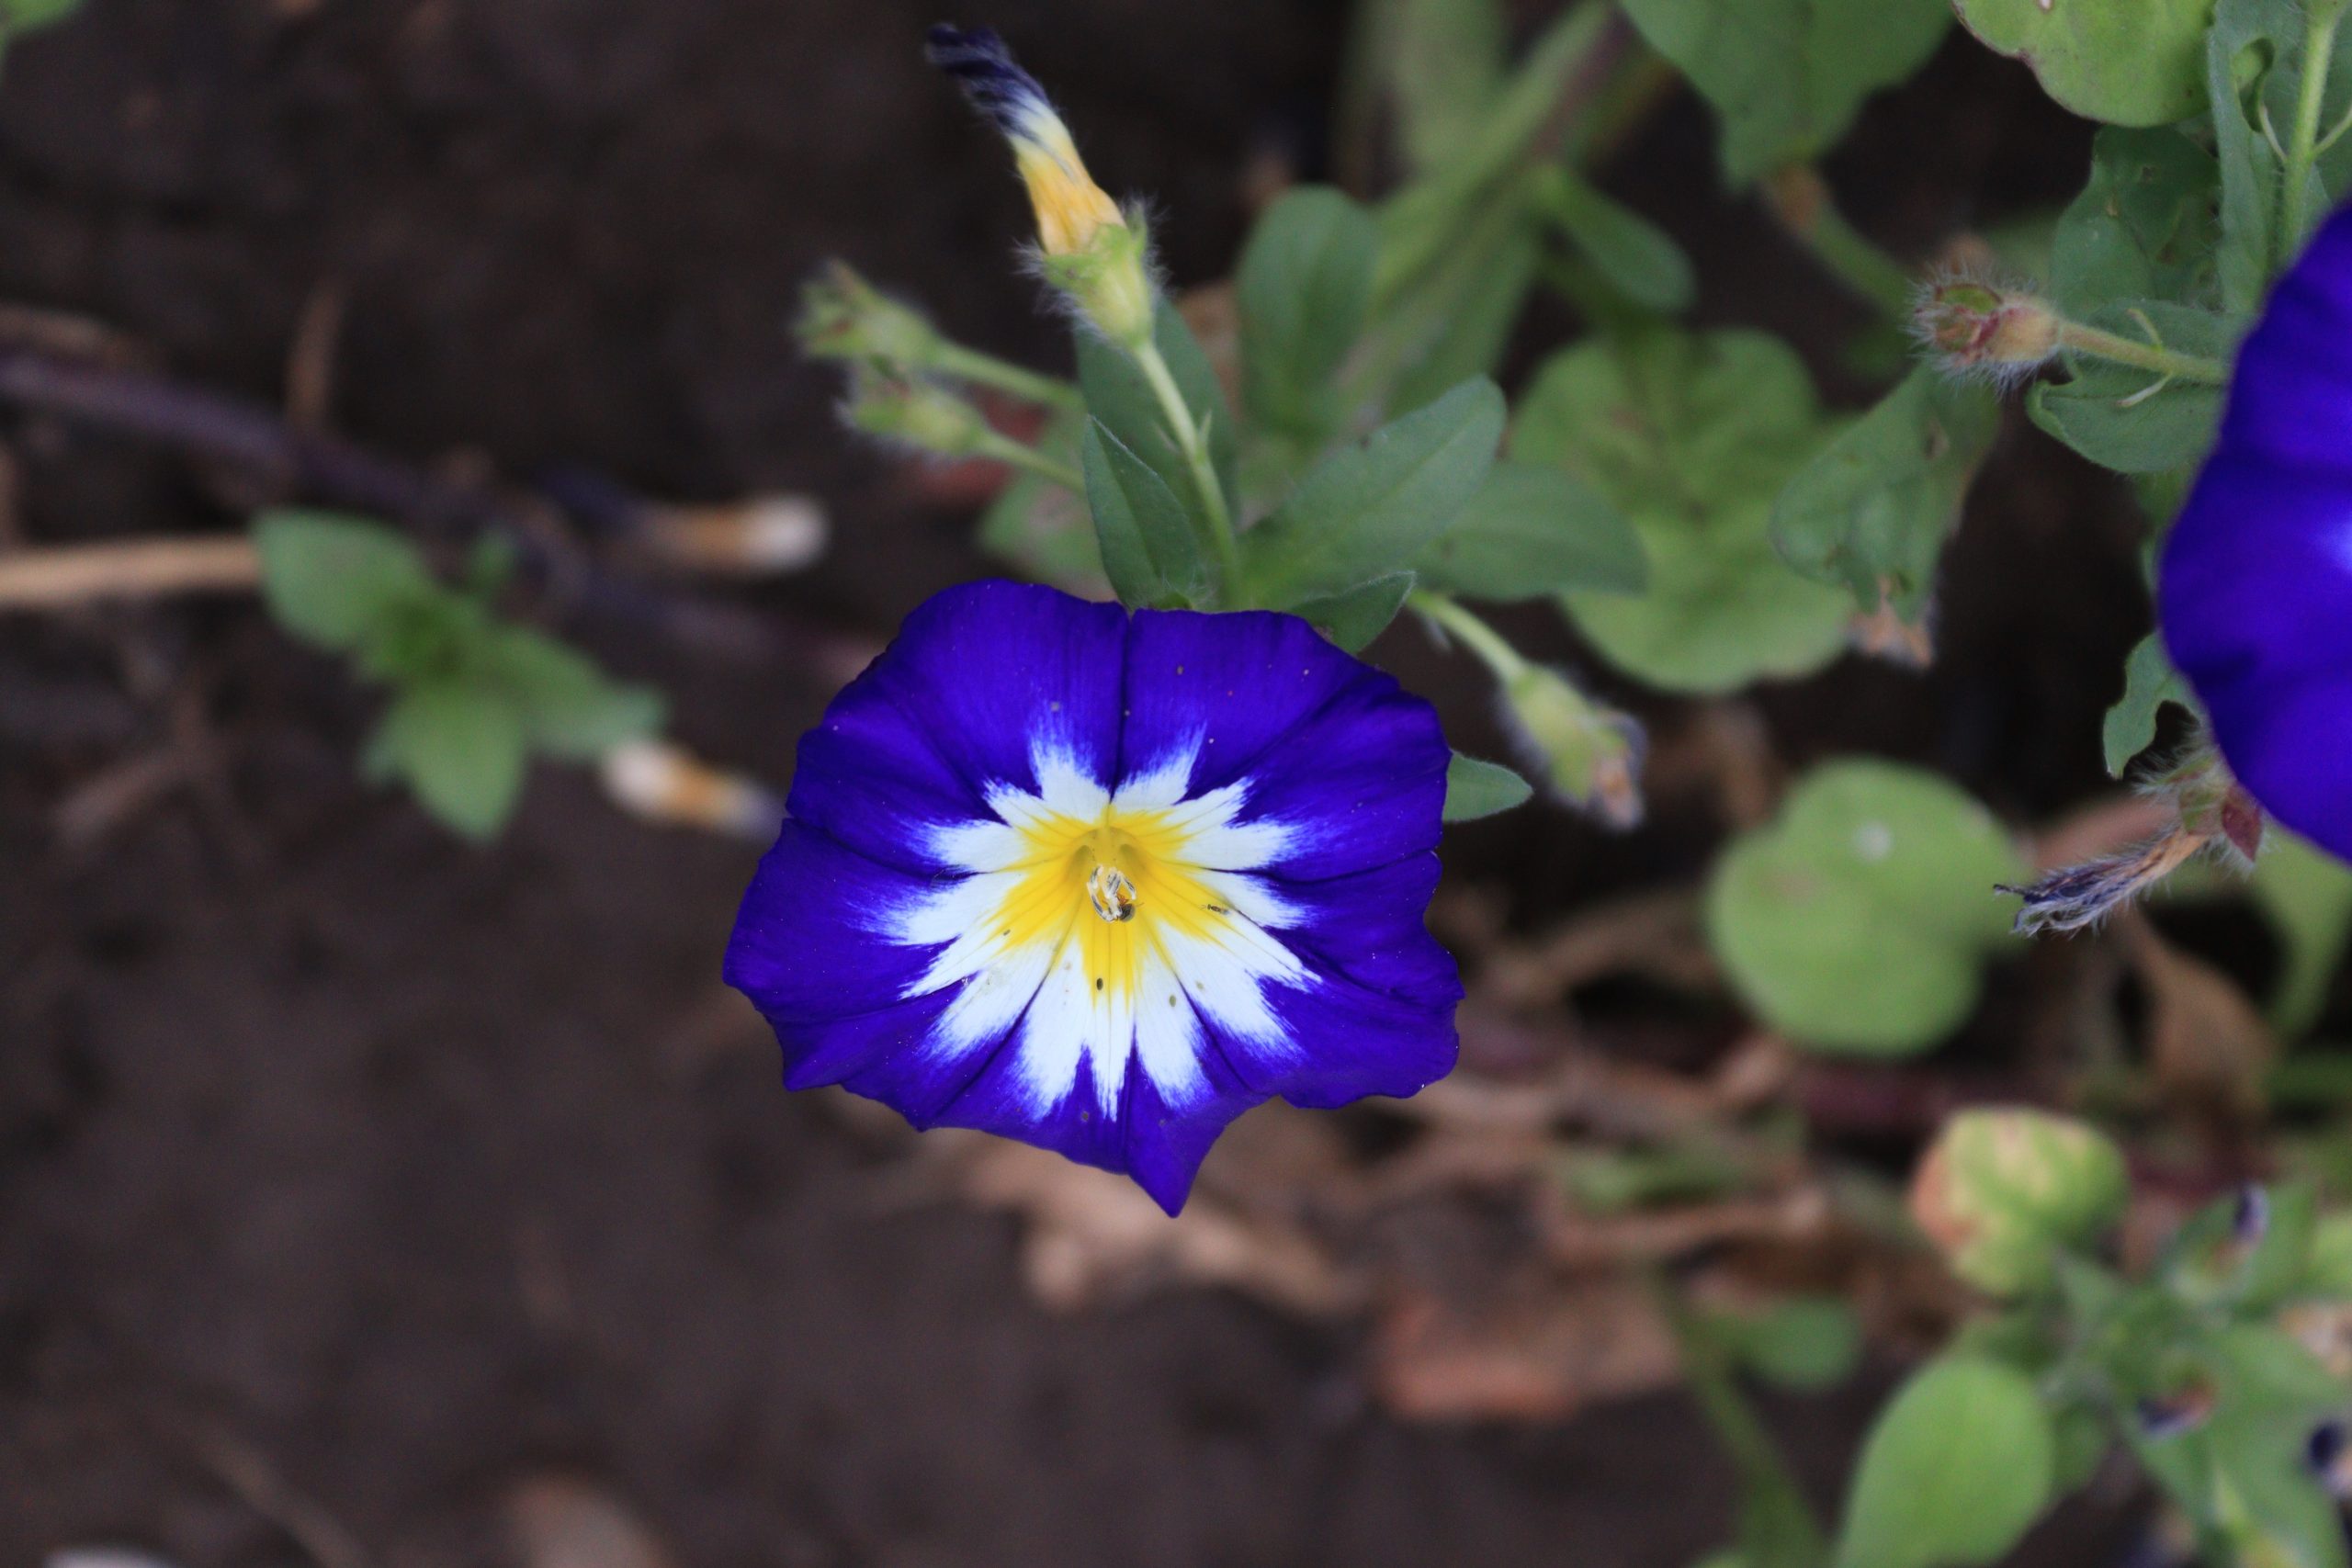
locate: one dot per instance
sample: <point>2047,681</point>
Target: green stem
<point>987,370</point>
<point>1471,632</point>
<point>2102,344</point>
<point>1800,198</point>
<point>1005,449</point>
<point>1191,440</point>
<point>1772,1505</point>
<point>2302,142</point>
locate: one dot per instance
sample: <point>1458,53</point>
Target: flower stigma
<point>1112,894</point>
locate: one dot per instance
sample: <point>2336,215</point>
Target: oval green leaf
<point>1860,919</point>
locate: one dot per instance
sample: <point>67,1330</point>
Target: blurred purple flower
<point>2256,592</point>
<point>1102,883</point>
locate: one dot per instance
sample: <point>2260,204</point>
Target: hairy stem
<point>2302,140</point>
<point>2102,344</point>
<point>1777,1524</point>
<point>1005,449</point>
<point>1473,633</point>
<point>1193,441</point>
<point>987,370</point>
<point>1798,197</point>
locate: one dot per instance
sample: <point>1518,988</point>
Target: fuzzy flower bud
<point>918,413</point>
<point>1973,327</point>
<point>844,317</point>
<point>2213,813</point>
<point>1589,755</point>
<point>2001,1191</point>
<point>1092,253</point>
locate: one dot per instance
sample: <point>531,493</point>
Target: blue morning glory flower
<point>2256,592</point>
<point>1101,883</point>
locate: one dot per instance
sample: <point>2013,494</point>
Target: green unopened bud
<point>916,413</point>
<point>2002,1191</point>
<point>844,317</point>
<point>1108,280</point>
<point>1589,755</point>
<point>1977,328</point>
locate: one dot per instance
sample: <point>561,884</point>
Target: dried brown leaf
<point>1537,1357</point>
<point>2210,1047</point>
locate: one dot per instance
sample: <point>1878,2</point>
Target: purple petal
<point>1365,778</point>
<point>987,671</point>
<point>1231,684</point>
<point>2291,400</point>
<point>2255,588</point>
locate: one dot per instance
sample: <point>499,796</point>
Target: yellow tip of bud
<point>1071,209</point>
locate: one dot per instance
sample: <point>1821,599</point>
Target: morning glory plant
<point>1101,861</point>
<point>1101,877</point>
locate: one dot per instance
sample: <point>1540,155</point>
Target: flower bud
<point>1109,281</point>
<point>1091,251</point>
<point>1589,755</point>
<point>2001,1191</point>
<point>844,317</point>
<point>1975,327</point>
<point>915,413</point>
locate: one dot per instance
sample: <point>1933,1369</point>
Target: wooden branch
<point>136,568</point>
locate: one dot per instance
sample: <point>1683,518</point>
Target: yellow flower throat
<point>1114,887</point>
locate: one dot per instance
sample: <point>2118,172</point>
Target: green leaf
<point>1954,1472</point>
<point>2254,71</point>
<point>1638,258</point>
<point>1367,512</point>
<point>1458,325</point>
<point>2125,61</point>
<point>1043,531</point>
<point>568,706</point>
<point>1859,920</point>
<point>2149,682</point>
<point>1444,64</point>
<point>1692,438</point>
<point>2143,227</point>
<point>1304,285</point>
<point>459,745</point>
<point>2242,1477</point>
<point>2257,1490</point>
<point>1532,531</point>
<point>1787,77</point>
<point>1874,510</point>
<point>1352,619</point>
<point>1150,545</point>
<point>1118,394</point>
<point>24,15</point>
<point>2134,421</point>
<point>334,580</point>
<point>2082,1440</point>
<point>1807,1343</point>
<point>1423,225</point>
<point>2306,894</point>
<point>1475,789</point>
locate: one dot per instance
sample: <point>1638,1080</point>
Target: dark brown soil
<point>418,1169</point>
